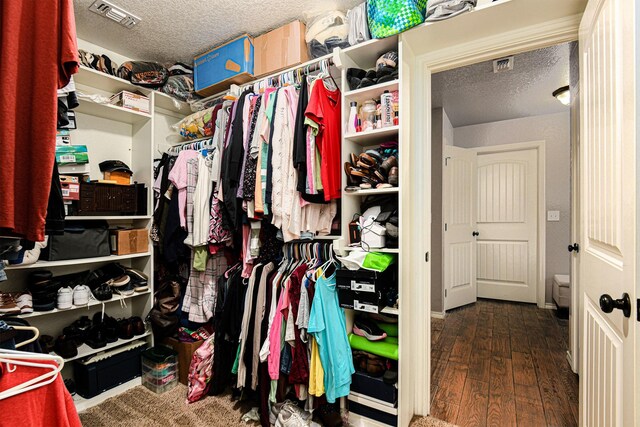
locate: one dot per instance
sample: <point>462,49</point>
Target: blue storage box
<point>216,70</point>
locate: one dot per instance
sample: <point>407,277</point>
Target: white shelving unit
<point>364,56</point>
<point>85,351</point>
<point>92,303</point>
<point>109,132</point>
<point>72,262</point>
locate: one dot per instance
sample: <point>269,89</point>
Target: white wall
<point>555,130</point>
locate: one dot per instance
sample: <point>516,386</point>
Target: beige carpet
<point>142,408</point>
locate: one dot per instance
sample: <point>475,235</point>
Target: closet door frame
<point>540,33</point>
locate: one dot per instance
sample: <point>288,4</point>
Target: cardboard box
<point>129,241</point>
<point>216,70</point>
<point>130,100</point>
<point>70,187</point>
<point>280,49</point>
<point>63,137</point>
<point>71,154</point>
<point>185,354</point>
<point>118,177</point>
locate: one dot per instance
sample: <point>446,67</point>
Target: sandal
<point>393,176</point>
<point>352,182</point>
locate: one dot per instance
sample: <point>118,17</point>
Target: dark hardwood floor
<point>496,363</point>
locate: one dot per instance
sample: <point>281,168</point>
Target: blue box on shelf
<point>219,68</point>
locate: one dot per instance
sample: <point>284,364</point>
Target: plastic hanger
<point>36,334</point>
<point>14,359</point>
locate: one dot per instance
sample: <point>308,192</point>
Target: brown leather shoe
<point>138,326</point>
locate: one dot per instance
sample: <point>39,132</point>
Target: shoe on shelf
<point>110,328</point>
<point>66,347</point>
<point>8,304</point>
<point>138,325</point>
<point>65,298</point>
<point>125,290</point>
<point>96,338</point>
<point>125,329</point>
<point>368,329</point>
<point>104,274</point>
<point>103,292</point>
<point>24,301</point>
<point>119,282</point>
<point>81,295</point>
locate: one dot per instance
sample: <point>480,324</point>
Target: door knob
<point>574,247</point>
<point>607,304</point>
<point>475,233</point>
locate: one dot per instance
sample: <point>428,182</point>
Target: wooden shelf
<point>373,137</point>
<point>92,303</point>
<point>107,217</point>
<point>371,92</point>
<point>381,250</point>
<point>84,350</point>
<point>373,192</point>
<point>111,112</point>
<point>71,262</point>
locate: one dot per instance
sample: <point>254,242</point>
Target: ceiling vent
<point>503,64</point>
<point>115,13</point>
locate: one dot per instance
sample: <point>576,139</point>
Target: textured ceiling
<point>173,30</point>
<point>474,94</point>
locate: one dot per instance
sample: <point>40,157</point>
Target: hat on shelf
<point>114,166</point>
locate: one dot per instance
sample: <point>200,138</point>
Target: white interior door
<point>459,215</point>
<point>608,186</point>
<point>507,247</point>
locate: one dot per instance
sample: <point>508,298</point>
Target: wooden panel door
<point>459,216</point>
<point>507,247</point>
<point>608,187</point>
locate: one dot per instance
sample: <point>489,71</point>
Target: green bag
<point>390,17</point>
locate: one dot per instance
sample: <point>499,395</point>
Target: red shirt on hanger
<point>38,53</point>
<point>324,109</point>
<point>46,406</point>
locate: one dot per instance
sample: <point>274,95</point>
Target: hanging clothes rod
<point>308,68</point>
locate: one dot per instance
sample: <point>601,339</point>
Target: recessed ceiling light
<point>563,95</point>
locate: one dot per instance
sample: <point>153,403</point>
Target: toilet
<point>561,290</point>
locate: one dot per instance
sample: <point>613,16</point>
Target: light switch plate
<point>553,216</point>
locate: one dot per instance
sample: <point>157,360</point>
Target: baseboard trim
<point>550,306</point>
<point>437,314</point>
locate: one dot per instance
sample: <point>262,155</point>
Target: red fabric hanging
<point>38,55</point>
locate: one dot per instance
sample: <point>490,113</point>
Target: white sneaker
<point>65,298</point>
<point>291,416</point>
<point>81,295</point>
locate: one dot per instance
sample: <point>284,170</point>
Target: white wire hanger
<point>14,359</point>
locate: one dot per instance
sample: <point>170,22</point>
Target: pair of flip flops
<point>371,170</point>
<point>98,62</point>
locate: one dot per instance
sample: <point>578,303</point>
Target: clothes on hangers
<point>41,48</point>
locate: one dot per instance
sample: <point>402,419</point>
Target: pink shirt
<point>276,332</point>
<point>178,176</point>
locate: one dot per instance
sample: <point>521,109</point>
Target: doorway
<point>499,202</point>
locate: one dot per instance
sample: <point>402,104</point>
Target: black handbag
<point>80,240</point>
